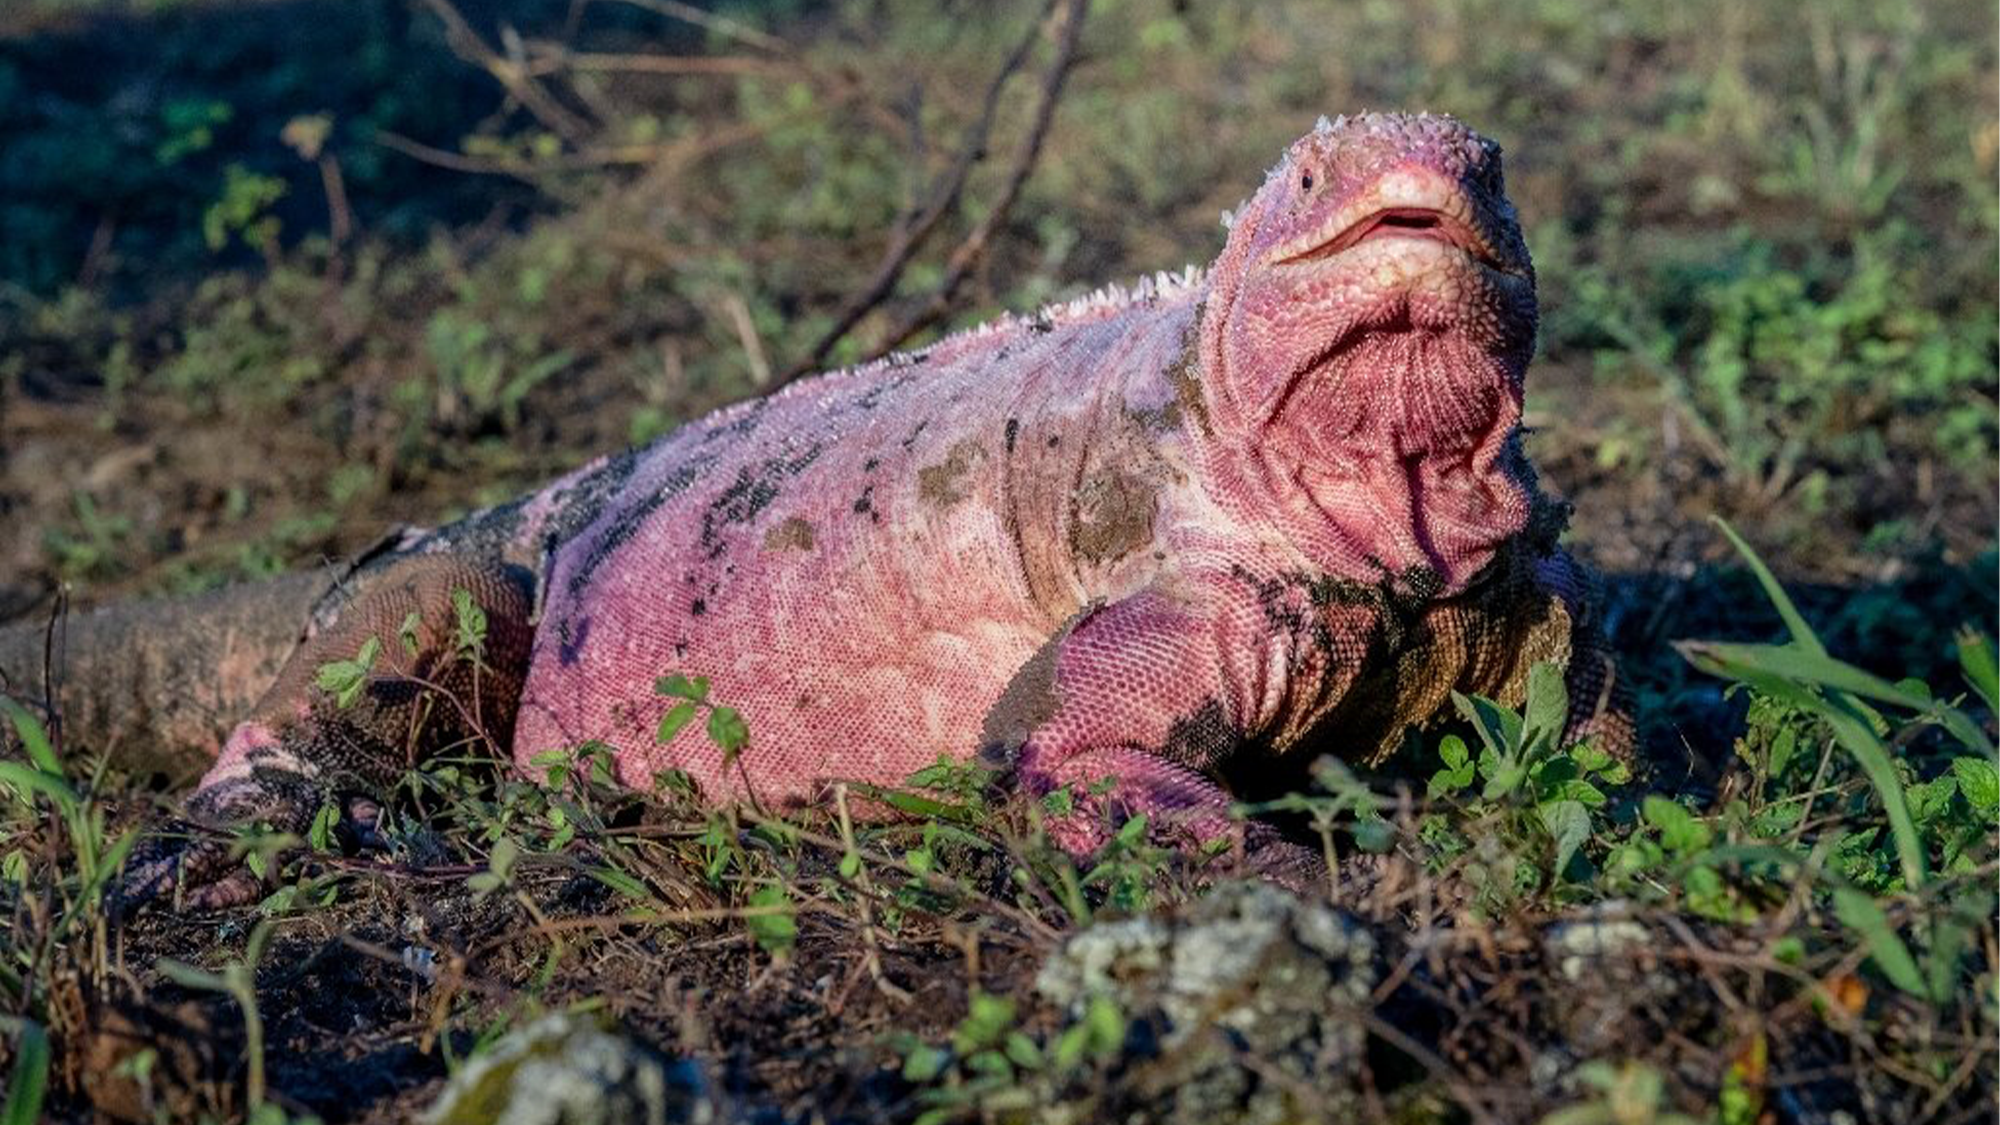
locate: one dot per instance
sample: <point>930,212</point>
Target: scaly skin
<point>1155,539</point>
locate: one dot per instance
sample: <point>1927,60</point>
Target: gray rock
<point>575,1070</point>
<point>1243,1008</point>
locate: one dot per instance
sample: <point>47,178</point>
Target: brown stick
<point>721,25</point>
<point>510,73</point>
<point>546,58</point>
<point>944,195</point>
<point>959,266</point>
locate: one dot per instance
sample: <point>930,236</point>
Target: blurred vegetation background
<point>275,274</point>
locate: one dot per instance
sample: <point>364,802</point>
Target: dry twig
<point>918,224</point>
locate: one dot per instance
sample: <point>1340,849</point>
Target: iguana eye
<point>1306,182</point>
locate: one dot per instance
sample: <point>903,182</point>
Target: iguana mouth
<point>1403,222</point>
<point>1407,202</point>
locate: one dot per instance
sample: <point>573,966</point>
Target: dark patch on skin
<point>699,607</point>
<point>1112,516</point>
<point>870,465</point>
<point>944,484</point>
<point>580,505</point>
<point>911,441</point>
<point>794,533</point>
<point>1030,699</point>
<point>628,522</point>
<point>570,638</point>
<point>495,533</point>
<point>1013,431</point>
<point>1054,440</point>
<point>749,494</point>
<point>1201,740</point>
<point>1184,374</point>
<point>864,505</point>
<point>1158,420</point>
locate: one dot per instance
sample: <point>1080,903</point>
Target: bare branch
<point>720,25</point>
<point>549,58</point>
<point>944,195</point>
<point>510,73</point>
<point>968,253</point>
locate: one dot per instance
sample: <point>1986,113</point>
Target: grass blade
<point>33,737</point>
<point>30,1080</point>
<point>1801,665</point>
<point>1982,670</point>
<point>1795,622</point>
<point>1850,729</point>
<point>1862,914</point>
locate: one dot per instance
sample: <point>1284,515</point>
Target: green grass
<point>1847,860</point>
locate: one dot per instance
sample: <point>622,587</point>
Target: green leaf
<point>728,731</point>
<point>1457,774</point>
<point>1859,912</point>
<point>29,1083</point>
<point>1680,832</point>
<point>191,976</point>
<point>777,931</point>
<point>1568,822</point>
<point>1548,707</point>
<point>988,1018</point>
<point>1980,783</point>
<point>925,1063</point>
<point>501,861</point>
<point>621,882</point>
<point>671,723</point>
<point>34,739</point>
<point>1982,670</point>
<point>850,864</point>
<point>1106,1023</point>
<point>677,686</point>
<point>345,679</point>
<point>470,618</point>
<point>320,835</point>
<point>26,782</point>
<point>1498,727</point>
<point>1795,622</point>
<point>413,623</point>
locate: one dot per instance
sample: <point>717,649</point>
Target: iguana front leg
<point>1136,705</point>
<point>450,640</point>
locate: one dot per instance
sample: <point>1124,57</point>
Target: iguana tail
<point>158,684</point>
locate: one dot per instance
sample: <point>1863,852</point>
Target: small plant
<point>243,211</point>
<point>725,727</point>
<point>1525,779</point>
<point>1631,1093</point>
<point>993,1067</point>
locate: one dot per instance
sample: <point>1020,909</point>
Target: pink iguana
<point>1153,537</point>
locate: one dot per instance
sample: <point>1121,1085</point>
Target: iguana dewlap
<point>1153,537</point>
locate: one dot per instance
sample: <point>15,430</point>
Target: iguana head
<point>1375,295</point>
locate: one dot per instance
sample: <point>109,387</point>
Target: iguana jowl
<point>1154,536</point>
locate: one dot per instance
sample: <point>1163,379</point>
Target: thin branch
<point>720,25</point>
<point>969,252</point>
<point>512,74</point>
<point>548,58</point>
<point>944,196</point>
